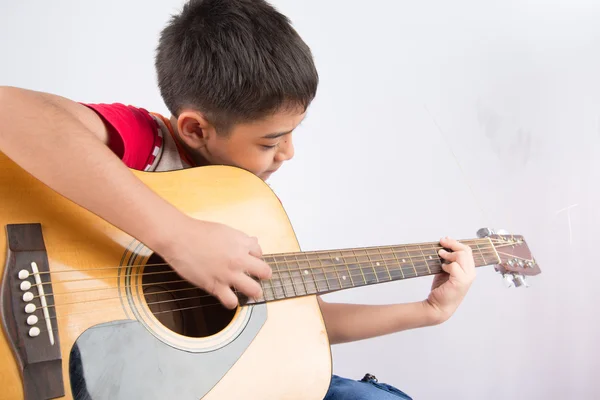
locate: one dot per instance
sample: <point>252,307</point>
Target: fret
<point>353,265</point>
<point>387,258</point>
<point>478,248</point>
<point>274,284</point>
<point>378,264</point>
<point>409,270</point>
<point>286,283</point>
<point>366,267</point>
<point>325,268</point>
<point>396,271</point>
<point>419,260</point>
<point>433,260</point>
<point>296,275</point>
<point>277,285</point>
<point>425,259</point>
<point>285,280</point>
<point>331,276</point>
<point>371,265</point>
<point>298,282</point>
<point>341,271</point>
<point>349,259</point>
<point>306,274</point>
<point>320,278</point>
<point>290,276</point>
<point>335,259</point>
<point>266,286</point>
<point>344,276</point>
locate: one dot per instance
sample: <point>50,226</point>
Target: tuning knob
<point>509,280</point>
<point>484,232</point>
<point>520,281</point>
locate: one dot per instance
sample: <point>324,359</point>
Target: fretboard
<point>320,272</point>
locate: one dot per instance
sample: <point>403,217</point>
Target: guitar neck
<point>320,272</point>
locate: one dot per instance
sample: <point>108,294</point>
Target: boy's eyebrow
<point>276,135</point>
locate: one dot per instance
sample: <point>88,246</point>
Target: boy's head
<point>237,79</point>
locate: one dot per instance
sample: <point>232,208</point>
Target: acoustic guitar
<point>88,312</point>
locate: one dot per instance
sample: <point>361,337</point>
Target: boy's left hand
<point>448,290</point>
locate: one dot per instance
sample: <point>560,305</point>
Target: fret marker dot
<point>377,264</point>
<point>337,259</point>
<point>344,277</point>
<point>431,258</point>
<point>403,260</point>
<point>305,272</point>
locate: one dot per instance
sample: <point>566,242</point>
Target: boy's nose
<point>286,150</point>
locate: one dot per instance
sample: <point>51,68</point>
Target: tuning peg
<point>485,232</point>
<point>520,281</point>
<point>508,280</point>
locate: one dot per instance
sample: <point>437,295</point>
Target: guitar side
<point>288,358</point>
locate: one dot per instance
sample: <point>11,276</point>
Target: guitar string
<point>275,298</point>
<point>418,271</point>
<point>278,271</point>
<point>421,270</point>
<point>154,313</point>
<point>276,263</point>
<point>481,249</point>
<point>487,245</point>
<point>292,285</point>
<point>273,288</point>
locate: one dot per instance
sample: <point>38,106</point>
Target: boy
<point>238,80</point>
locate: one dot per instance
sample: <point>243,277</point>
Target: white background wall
<point>433,118</point>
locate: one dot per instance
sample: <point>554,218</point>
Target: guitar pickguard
<point>123,360</point>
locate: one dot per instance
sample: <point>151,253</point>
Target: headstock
<point>516,261</point>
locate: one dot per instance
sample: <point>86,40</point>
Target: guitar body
<point>114,335</point>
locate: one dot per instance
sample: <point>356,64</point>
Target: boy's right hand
<point>216,257</point>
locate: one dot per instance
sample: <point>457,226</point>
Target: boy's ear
<point>194,129</point>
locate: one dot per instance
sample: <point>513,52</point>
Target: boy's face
<point>260,147</point>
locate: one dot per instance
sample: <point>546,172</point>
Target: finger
<point>257,267</point>
<point>453,269</point>
<point>454,245</point>
<point>448,256</point>
<point>248,286</point>
<point>226,296</point>
<point>255,249</point>
<point>462,258</point>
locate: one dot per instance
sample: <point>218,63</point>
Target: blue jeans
<point>367,388</point>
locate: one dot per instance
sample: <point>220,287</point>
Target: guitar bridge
<point>28,315</point>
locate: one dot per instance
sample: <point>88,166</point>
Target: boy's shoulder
<point>144,140</point>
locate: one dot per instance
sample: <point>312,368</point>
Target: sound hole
<point>179,305</point>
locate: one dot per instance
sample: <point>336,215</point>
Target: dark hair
<point>234,61</point>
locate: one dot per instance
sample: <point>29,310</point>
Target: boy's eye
<point>269,146</point>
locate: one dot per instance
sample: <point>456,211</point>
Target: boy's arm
<point>64,145</point>
<point>351,322</point>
